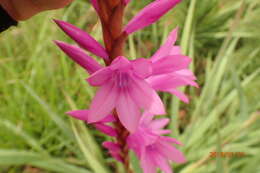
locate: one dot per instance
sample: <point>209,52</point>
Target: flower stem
<point>111,14</point>
<point>121,140</point>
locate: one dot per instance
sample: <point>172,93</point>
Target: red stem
<point>111,14</point>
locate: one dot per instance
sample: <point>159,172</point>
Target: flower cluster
<point>126,92</point>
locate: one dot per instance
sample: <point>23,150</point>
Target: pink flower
<point>170,69</point>
<point>122,87</point>
<point>150,14</point>
<point>152,149</point>
<point>101,125</point>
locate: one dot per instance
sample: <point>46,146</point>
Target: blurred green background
<point>38,84</point>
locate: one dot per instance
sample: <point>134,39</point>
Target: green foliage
<point>38,84</point>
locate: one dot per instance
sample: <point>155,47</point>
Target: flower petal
<point>103,103</point>
<point>83,39</point>
<point>79,114</point>
<point>188,74</point>
<point>157,106</point>
<point>180,95</point>
<point>114,150</point>
<point>120,63</point>
<point>108,119</point>
<point>106,129</point>
<point>170,152</point>
<point>147,163</point>
<point>128,112</point>
<point>146,118</point>
<point>171,63</point>
<point>142,67</point>
<point>159,123</point>
<point>176,50</point>
<point>167,48</point>
<point>171,140</point>
<point>162,162</point>
<point>145,97</point>
<point>150,14</point>
<point>100,77</point>
<point>80,57</point>
<point>169,81</point>
<point>111,146</point>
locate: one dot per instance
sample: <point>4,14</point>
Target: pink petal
<point>142,67</point>
<point>147,163</point>
<point>128,112</point>
<point>83,39</point>
<point>146,118</point>
<point>120,63</point>
<point>103,103</point>
<point>171,152</point>
<point>117,156</point>
<point>154,125</point>
<point>171,140</point>
<point>108,119</point>
<point>114,150</point>
<point>162,131</point>
<point>150,14</point>
<point>100,77</point>
<point>159,123</point>
<point>157,106</point>
<point>79,114</point>
<point>169,81</point>
<point>111,146</point>
<point>162,162</point>
<point>180,95</point>
<point>108,130</point>
<point>145,97</point>
<point>167,48</point>
<point>176,50</point>
<point>187,73</point>
<point>134,142</point>
<point>80,57</point>
<point>171,63</point>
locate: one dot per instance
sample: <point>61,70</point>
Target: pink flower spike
<point>80,57</point>
<point>123,88</point>
<point>150,14</point>
<point>83,39</point>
